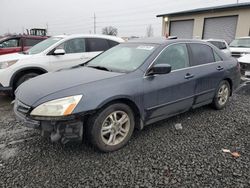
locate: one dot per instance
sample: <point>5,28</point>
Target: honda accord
<point>127,87</point>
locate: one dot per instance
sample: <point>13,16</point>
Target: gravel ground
<point>158,156</point>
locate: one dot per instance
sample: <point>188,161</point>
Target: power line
<point>94,24</point>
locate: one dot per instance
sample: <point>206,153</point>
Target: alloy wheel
<point>223,94</point>
<point>115,128</point>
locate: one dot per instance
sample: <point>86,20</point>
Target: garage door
<point>182,29</point>
<point>220,28</point>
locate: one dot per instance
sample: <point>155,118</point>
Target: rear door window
<point>217,57</point>
<point>175,55</point>
<point>32,42</point>
<point>97,44</point>
<point>218,44</point>
<point>201,54</point>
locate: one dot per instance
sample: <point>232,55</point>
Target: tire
<point>222,95</point>
<point>24,78</point>
<point>104,130</point>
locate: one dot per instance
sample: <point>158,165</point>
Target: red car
<point>18,43</point>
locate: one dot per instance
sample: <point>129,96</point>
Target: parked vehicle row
<point>53,54</point>
<point>129,86</point>
<point>240,49</point>
<point>18,43</point>
<point>221,44</point>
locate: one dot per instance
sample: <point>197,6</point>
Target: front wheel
<point>222,95</point>
<point>112,127</point>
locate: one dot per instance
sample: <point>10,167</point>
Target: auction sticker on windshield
<point>145,47</point>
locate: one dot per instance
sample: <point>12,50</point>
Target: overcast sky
<point>131,17</point>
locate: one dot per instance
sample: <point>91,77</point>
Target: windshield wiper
<point>240,46</point>
<point>100,68</point>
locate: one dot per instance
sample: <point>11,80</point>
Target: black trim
<point>5,89</point>
<point>169,103</point>
<point>25,120</point>
<point>25,69</point>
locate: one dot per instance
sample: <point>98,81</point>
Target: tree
<point>109,30</point>
<point>149,31</point>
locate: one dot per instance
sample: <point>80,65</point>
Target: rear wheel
<point>222,95</point>
<point>112,127</point>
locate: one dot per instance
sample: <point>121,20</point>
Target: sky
<point>130,17</point>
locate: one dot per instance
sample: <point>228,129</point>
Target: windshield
<point>242,43</point>
<point>123,58</point>
<point>40,47</point>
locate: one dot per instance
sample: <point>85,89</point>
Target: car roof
<point>114,38</point>
<point>216,40</point>
<point>244,37</point>
<point>163,40</point>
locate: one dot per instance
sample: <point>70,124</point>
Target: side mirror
<point>59,52</point>
<point>159,69</point>
<point>1,46</point>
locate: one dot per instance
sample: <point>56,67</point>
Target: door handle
<point>219,68</point>
<point>188,76</point>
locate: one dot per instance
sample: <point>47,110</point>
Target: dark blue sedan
<point>129,86</point>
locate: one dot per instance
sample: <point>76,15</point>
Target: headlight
<point>6,64</point>
<point>58,107</point>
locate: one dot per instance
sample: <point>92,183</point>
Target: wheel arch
<point>230,84</point>
<point>126,100</point>
<point>23,71</point>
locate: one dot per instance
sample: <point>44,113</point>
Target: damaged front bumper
<point>62,130</point>
<point>245,69</point>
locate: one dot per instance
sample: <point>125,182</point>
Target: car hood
<point>244,59</point>
<point>39,87</point>
<point>14,56</point>
<point>242,50</point>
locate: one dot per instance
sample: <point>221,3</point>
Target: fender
<point>122,97</point>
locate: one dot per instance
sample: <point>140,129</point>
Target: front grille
<point>22,108</point>
<point>236,54</point>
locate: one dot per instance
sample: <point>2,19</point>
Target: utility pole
<point>94,24</point>
<point>237,1</point>
<point>47,28</point>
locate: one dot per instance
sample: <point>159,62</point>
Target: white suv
<point>53,54</point>
<point>240,47</point>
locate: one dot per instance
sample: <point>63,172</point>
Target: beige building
<point>222,22</point>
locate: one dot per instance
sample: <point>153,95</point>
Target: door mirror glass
<point>160,69</point>
<point>59,52</point>
<point>1,45</point>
